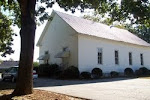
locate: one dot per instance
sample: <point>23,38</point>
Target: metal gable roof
<point>88,27</point>
<point>9,63</point>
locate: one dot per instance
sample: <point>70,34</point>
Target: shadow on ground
<point>46,82</point>
<point>6,97</point>
<point>4,85</point>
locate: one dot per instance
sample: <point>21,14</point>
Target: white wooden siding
<point>87,54</point>
<point>58,35</point>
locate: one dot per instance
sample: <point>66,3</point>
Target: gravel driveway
<point>104,89</point>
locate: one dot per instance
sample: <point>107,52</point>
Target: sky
<point>15,56</point>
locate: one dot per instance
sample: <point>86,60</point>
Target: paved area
<point>104,89</point>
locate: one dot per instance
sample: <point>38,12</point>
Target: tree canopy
<point>6,34</point>
<point>137,11</point>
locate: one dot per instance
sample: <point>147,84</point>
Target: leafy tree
<point>144,32</point>
<point>141,31</point>
<point>35,64</point>
<point>6,34</point>
<point>24,12</point>
<point>137,11</point>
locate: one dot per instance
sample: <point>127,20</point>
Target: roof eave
<point>114,40</point>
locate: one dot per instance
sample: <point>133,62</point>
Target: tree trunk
<point>24,83</point>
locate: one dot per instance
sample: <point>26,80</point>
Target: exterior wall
<point>58,35</point>
<point>87,54</point>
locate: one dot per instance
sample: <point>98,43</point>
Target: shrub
<point>114,74</point>
<point>143,71</point>
<point>85,75</point>
<point>137,73</point>
<point>59,74</point>
<point>47,70</point>
<point>43,70</point>
<point>70,73</point>
<point>97,73</point>
<point>35,64</point>
<point>128,72</point>
<point>54,68</point>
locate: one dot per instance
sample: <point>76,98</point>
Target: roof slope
<point>9,63</point>
<point>88,27</point>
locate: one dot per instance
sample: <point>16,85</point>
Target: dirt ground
<point>37,95</point>
<point>7,87</point>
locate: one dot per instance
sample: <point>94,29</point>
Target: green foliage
<point>140,10</point>
<point>97,73</point>
<point>35,64</point>
<point>85,75</point>
<point>137,11</point>
<point>70,73</point>
<point>128,72</point>
<point>114,74</point>
<point>47,70</point>
<point>6,34</point>
<point>141,31</point>
<point>11,9</point>
<point>143,71</point>
<point>144,32</point>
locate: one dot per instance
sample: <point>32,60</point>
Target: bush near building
<point>97,73</point>
<point>71,72</point>
<point>48,70</point>
<point>143,71</point>
<point>114,74</point>
<point>128,72</point>
<point>85,75</point>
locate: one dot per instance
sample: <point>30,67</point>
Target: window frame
<point>141,59</point>
<point>100,56</point>
<point>116,53</point>
<point>130,58</point>
<point>46,52</point>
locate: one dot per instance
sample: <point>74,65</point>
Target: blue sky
<point>39,30</point>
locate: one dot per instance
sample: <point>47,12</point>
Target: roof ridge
<point>88,20</point>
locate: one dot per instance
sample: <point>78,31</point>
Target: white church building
<point>69,40</point>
